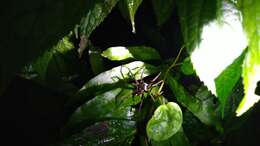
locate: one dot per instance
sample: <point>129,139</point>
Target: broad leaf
<point>98,11</point>
<point>202,106</point>
<point>103,106</point>
<point>112,132</point>
<point>227,80</point>
<point>163,10</point>
<point>251,68</point>
<point>131,6</point>
<point>32,27</point>
<point>193,15</point>
<point>222,42</point>
<point>138,53</point>
<point>165,122</point>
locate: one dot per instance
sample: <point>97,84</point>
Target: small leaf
<point>165,122</point>
<point>138,53</point>
<point>163,10</point>
<point>251,68</point>
<point>186,67</point>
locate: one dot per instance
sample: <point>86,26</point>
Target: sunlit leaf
<point>112,132</point>
<point>227,80</point>
<point>222,42</point>
<point>138,53</point>
<point>193,15</point>
<point>163,10</point>
<point>131,6</point>
<point>251,68</point>
<point>165,122</point>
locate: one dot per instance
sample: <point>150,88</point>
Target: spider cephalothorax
<point>141,87</point>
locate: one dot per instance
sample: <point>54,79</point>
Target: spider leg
<point>141,103</point>
<point>154,79</point>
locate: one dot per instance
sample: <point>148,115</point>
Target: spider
<point>141,87</point>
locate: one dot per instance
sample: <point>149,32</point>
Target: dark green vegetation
<point>130,72</point>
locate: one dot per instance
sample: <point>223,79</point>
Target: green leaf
<point>138,53</point>
<point>165,122</point>
<point>201,106</point>
<point>98,11</point>
<point>112,132</point>
<point>186,67</point>
<point>131,6</point>
<point>133,70</point>
<point>96,60</point>
<point>114,78</point>
<point>32,27</point>
<point>193,15</point>
<point>227,80</point>
<point>251,68</point>
<point>163,10</point>
<point>222,42</point>
<point>103,106</point>
<point>178,139</point>
<point>42,63</point>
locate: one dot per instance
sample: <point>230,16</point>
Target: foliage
<point>135,93</point>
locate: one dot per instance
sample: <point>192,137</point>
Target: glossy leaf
<point>251,67</point>
<point>131,6</point>
<point>178,139</point>
<point>103,106</point>
<point>138,53</point>
<point>165,122</point>
<point>219,46</point>
<point>32,27</point>
<point>202,106</point>
<point>133,70</point>
<point>193,15</point>
<point>98,11</point>
<point>227,80</point>
<point>111,133</point>
<point>163,10</point>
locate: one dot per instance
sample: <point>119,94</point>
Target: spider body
<point>141,87</point>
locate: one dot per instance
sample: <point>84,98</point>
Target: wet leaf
<point>165,122</point>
